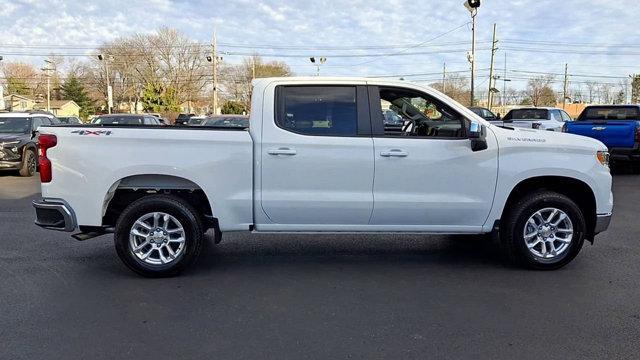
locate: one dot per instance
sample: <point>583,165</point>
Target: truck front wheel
<point>544,231</point>
<point>158,236</point>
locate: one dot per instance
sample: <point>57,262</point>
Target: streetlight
<point>109,88</point>
<point>472,6</point>
<point>318,62</point>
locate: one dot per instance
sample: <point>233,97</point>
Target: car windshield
<point>14,125</point>
<point>68,120</point>
<point>527,114</point>
<point>228,121</point>
<point>119,120</point>
<point>195,121</point>
<point>611,113</point>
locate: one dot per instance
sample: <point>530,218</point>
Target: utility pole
<point>214,61</point>
<point>491,79</point>
<point>47,70</point>
<point>504,81</point>
<point>444,77</point>
<point>474,12</point>
<point>566,82</point>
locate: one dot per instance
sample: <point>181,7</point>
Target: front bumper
<point>55,214</point>
<point>10,165</point>
<point>602,223</point>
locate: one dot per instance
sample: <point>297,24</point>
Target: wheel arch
<point>133,187</point>
<point>576,190</point>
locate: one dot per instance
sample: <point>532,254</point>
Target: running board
<point>90,232</point>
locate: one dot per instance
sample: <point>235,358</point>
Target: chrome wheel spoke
<point>141,246</point>
<point>143,224</point>
<point>562,217</point>
<point>534,244</point>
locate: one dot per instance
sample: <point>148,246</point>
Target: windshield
<point>611,113</point>
<point>228,121</point>
<point>15,125</point>
<point>119,120</point>
<point>195,121</point>
<point>527,114</point>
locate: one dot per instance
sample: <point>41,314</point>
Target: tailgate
<point>613,133</point>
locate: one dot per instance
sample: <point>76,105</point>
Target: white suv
<point>543,118</point>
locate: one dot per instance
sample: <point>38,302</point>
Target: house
<point>16,102</point>
<point>60,107</point>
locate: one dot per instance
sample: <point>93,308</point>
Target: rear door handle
<point>394,153</point>
<point>282,151</point>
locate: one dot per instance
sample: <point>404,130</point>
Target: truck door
<point>427,177</point>
<point>317,159</point>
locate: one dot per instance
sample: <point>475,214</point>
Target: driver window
<point>413,114</point>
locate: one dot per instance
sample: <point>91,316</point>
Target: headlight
<point>603,158</point>
<point>10,143</point>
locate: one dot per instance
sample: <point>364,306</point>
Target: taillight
<point>45,141</point>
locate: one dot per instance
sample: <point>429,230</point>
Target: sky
<point>594,37</point>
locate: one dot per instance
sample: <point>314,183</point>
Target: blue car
<point>617,126</point>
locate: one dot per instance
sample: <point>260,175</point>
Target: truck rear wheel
<point>158,236</point>
<point>543,231</point>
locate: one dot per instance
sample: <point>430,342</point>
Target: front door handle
<point>394,153</point>
<point>282,151</point>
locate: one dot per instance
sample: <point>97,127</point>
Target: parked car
<point>126,119</point>
<point>485,113</point>
<point>227,121</point>
<point>543,118</point>
<point>69,120</point>
<point>18,140</point>
<point>183,119</point>
<point>617,126</point>
<point>308,165</point>
<point>195,120</point>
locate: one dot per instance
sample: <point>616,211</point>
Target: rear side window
<point>611,113</point>
<point>318,110</point>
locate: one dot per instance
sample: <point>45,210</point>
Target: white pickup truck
<point>320,156</point>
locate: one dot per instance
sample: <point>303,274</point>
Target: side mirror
<point>477,135</point>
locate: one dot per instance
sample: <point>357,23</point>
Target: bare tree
<point>540,92</point>
<point>236,78</point>
<point>456,87</point>
<point>21,78</point>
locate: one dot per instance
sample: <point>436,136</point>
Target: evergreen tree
<point>160,99</point>
<point>72,89</point>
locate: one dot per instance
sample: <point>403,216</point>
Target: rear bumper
<point>626,153</point>
<point>602,223</point>
<point>55,215</point>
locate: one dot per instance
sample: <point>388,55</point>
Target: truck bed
<point>91,161</point>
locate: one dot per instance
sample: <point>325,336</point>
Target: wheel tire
<point>515,222</point>
<point>178,209</point>
<point>29,165</point>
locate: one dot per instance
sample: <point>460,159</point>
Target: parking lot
<point>316,297</point>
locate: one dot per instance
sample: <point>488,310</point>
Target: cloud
<point>356,23</point>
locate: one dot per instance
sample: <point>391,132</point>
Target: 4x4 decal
<point>92,132</point>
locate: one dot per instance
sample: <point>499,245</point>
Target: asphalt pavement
<point>316,297</point>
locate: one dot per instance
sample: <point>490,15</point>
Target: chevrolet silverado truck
<point>318,157</point>
<point>617,126</point>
